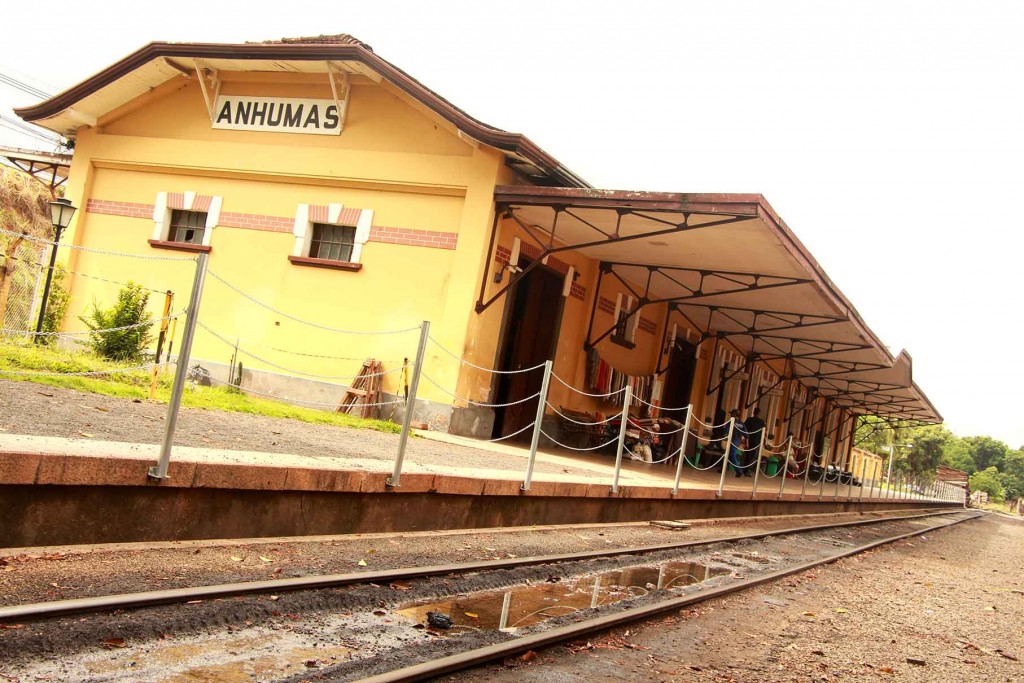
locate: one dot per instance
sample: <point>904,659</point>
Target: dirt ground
<point>942,607</point>
<point>34,409</point>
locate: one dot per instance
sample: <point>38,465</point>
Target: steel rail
<point>482,655</point>
<point>40,610</point>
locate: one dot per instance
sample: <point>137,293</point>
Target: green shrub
<point>130,309</point>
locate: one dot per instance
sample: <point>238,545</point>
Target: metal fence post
<point>807,470</point>
<point>824,476</point>
<point>863,473</point>
<point>159,471</point>
<point>757,466</point>
<point>410,406</point>
<point>785,467</point>
<point>725,456</point>
<point>622,438</point>
<point>682,449</point>
<point>542,399</point>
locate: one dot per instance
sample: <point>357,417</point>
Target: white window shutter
<point>161,217</point>
<point>362,233</point>
<point>212,219</point>
<point>301,231</point>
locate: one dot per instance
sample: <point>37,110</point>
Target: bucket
<point>772,467</point>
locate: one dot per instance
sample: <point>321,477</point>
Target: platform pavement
<point>27,459</point>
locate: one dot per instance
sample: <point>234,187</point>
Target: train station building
<point>327,183</point>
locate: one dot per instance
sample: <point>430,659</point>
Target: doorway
<point>682,363</point>
<point>531,333</point>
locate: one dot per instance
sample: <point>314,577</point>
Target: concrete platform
<point>57,491</point>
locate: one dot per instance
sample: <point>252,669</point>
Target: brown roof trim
<point>494,137</point>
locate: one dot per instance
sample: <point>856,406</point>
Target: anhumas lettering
<point>278,115</point>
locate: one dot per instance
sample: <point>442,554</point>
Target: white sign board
<point>277,115</point>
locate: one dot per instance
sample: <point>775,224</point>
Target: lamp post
<point>61,211</point>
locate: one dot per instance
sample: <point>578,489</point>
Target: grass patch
<point>31,358</point>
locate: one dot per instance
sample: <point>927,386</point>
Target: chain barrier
<point>656,407</point>
<point>287,369</point>
<point>88,332</point>
<point>713,465</point>
<point>477,403</point>
<point>480,367</point>
<point>284,399</point>
<point>574,448</point>
<point>92,250</point>
<point>86,373</point>
<point>509,436</point>
<point>585,424</point>
<point>583,393</point>
<point>710,426</point>
<point>45,267</point>
<point>301,320</point>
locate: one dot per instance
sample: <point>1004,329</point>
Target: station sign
<point>277,115</point>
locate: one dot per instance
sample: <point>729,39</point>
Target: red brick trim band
<point>502,255</point>
<point>129,209</point>
<point>410,237</point>
<point>608,306</point>
<point>325,263</point>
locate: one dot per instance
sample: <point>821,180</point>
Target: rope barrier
<point>106,252</point>
<point>85,373</point>
<point>479,367</point>
<point>586,424</point>
<point>573,448</point>
<point>87,332</point>
<point>614,393</point>
<point>477,403</point>
<point>300,320</point>
<point>291,370</point>
<point>650,431</point>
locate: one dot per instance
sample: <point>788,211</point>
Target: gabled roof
<point>159,62</point>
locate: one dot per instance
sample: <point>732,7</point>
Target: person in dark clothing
<point>736,448</point>
<point>754,427</point>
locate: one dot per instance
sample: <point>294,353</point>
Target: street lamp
<point>61,211</point>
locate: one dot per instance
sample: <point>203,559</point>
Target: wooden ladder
<point>364,393</point>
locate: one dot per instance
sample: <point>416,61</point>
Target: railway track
<point>827,535</point>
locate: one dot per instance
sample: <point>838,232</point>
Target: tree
<point>988,481</point>
<point>986,451</point>
<point>105,336</point>
<point>926,453</point>
<point>1012,477</point>
<point>23,210</point>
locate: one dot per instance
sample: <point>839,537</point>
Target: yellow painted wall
<point>409,167</point>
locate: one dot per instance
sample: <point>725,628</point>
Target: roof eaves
<point>494,137</point>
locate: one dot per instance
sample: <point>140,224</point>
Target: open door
<point>531,333</point>
<point>682,363</point>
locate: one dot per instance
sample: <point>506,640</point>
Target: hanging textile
<point>602,378</point>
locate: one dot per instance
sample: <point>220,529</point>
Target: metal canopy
<point>731,267</point>
<point>49,168</point>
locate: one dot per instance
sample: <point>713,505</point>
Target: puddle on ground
<point>528,605</point>
<point>239,658</point>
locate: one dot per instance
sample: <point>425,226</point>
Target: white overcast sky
<point>889,135</point>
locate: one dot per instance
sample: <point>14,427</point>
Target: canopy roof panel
<point>729,265</point>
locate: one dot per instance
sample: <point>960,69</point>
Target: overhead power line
<point>24,87</point>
